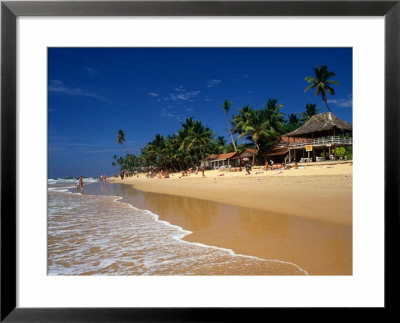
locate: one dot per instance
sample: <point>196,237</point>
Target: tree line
<point>194,140</point>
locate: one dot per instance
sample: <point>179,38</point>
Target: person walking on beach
<point>248,168</point>
<point>202,171</point>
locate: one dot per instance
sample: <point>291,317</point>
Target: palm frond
<point>310,87</point>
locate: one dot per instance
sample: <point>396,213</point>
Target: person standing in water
<point>79,184</point>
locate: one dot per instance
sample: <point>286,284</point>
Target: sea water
<point>101,235</point>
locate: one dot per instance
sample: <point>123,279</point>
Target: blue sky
<point>94,92</point>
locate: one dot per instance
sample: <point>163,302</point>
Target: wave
<point>120,239</point>
<point>52,181</point>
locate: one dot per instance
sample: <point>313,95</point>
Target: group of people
<point>271,165</point>
<point>163,174</point>
<point>160,174</point>
<point>190,171</point>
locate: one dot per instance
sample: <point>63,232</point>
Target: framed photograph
<point>181,160</point>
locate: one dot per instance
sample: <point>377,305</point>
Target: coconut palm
<point>293,122</point>
<point>257,128</point>
<point>121,138</point>
<point>240,119</point>
<point>311,109</point>
<point>157,149</point>
<point>219,145</point>
<point>198,137</point>
<point>271,113</point>
<point>293,118</point>
<point>321,83</point>
<point>114,163</point>
<point>226,107</point>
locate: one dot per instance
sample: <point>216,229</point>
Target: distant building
<point>247,154</point>
<point>229,159</point>
<point>218,160</point>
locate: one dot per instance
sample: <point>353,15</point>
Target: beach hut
<point>219,160</point>
<point>206,162</point>
<point>320,135</point>
<point>280,150</point>
<point>246,155</point>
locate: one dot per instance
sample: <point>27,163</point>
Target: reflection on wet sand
<point>321,248</point>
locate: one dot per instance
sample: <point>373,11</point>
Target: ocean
<point>105,230</point>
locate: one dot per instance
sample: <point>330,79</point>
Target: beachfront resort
<point>324,138</point>
<point>218,161</point>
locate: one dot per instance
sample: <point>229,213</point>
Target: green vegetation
<point>227,104</point>
<point>193,141</point>
<point>344,153</point>
<point>321,83</point>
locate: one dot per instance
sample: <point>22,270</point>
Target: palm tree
<point>114,163</point>
<point>293,122</point>
<point>240,119</point>
<point>198,137</point>
<point>293,118</point>
<point>218,146</point>
<point>321,83</point>
<point>257,127</point>
<point>260,126</point>
<point>226,107</point>
<point>157,149</point>
<point>121,138</point>
<point>169,151</point>
<point>311,109</point>
<point>271,113</point>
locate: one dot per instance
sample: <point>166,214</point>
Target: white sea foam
<point>52,181</point>
<point>101,235</point>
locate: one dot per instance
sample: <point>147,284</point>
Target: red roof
<point>211,157</point>
<point>226,156</point>
<point>220,156</point>
<point>252,150</point>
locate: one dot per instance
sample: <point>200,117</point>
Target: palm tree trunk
<point>229,130</point>
<point>326,103</point>
<point>254,155</point>
<point>173,165</point>
<point>201,153</point>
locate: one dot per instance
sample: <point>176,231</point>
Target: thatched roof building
<point>281,147</point>
<point>323,124</point>
<point>319,135</point>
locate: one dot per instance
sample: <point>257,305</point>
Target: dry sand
<point>302,216</point>
<point>321,191</point>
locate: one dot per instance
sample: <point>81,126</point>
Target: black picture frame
<point>10,10</point>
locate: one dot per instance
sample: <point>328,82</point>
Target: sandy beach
<point>321,192</point>
<point>302,216</point>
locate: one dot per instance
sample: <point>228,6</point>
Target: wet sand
<point>320,192</point>
<point>320,245</point>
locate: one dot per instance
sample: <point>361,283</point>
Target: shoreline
<point>318,192</point>
<point>302,217</point>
